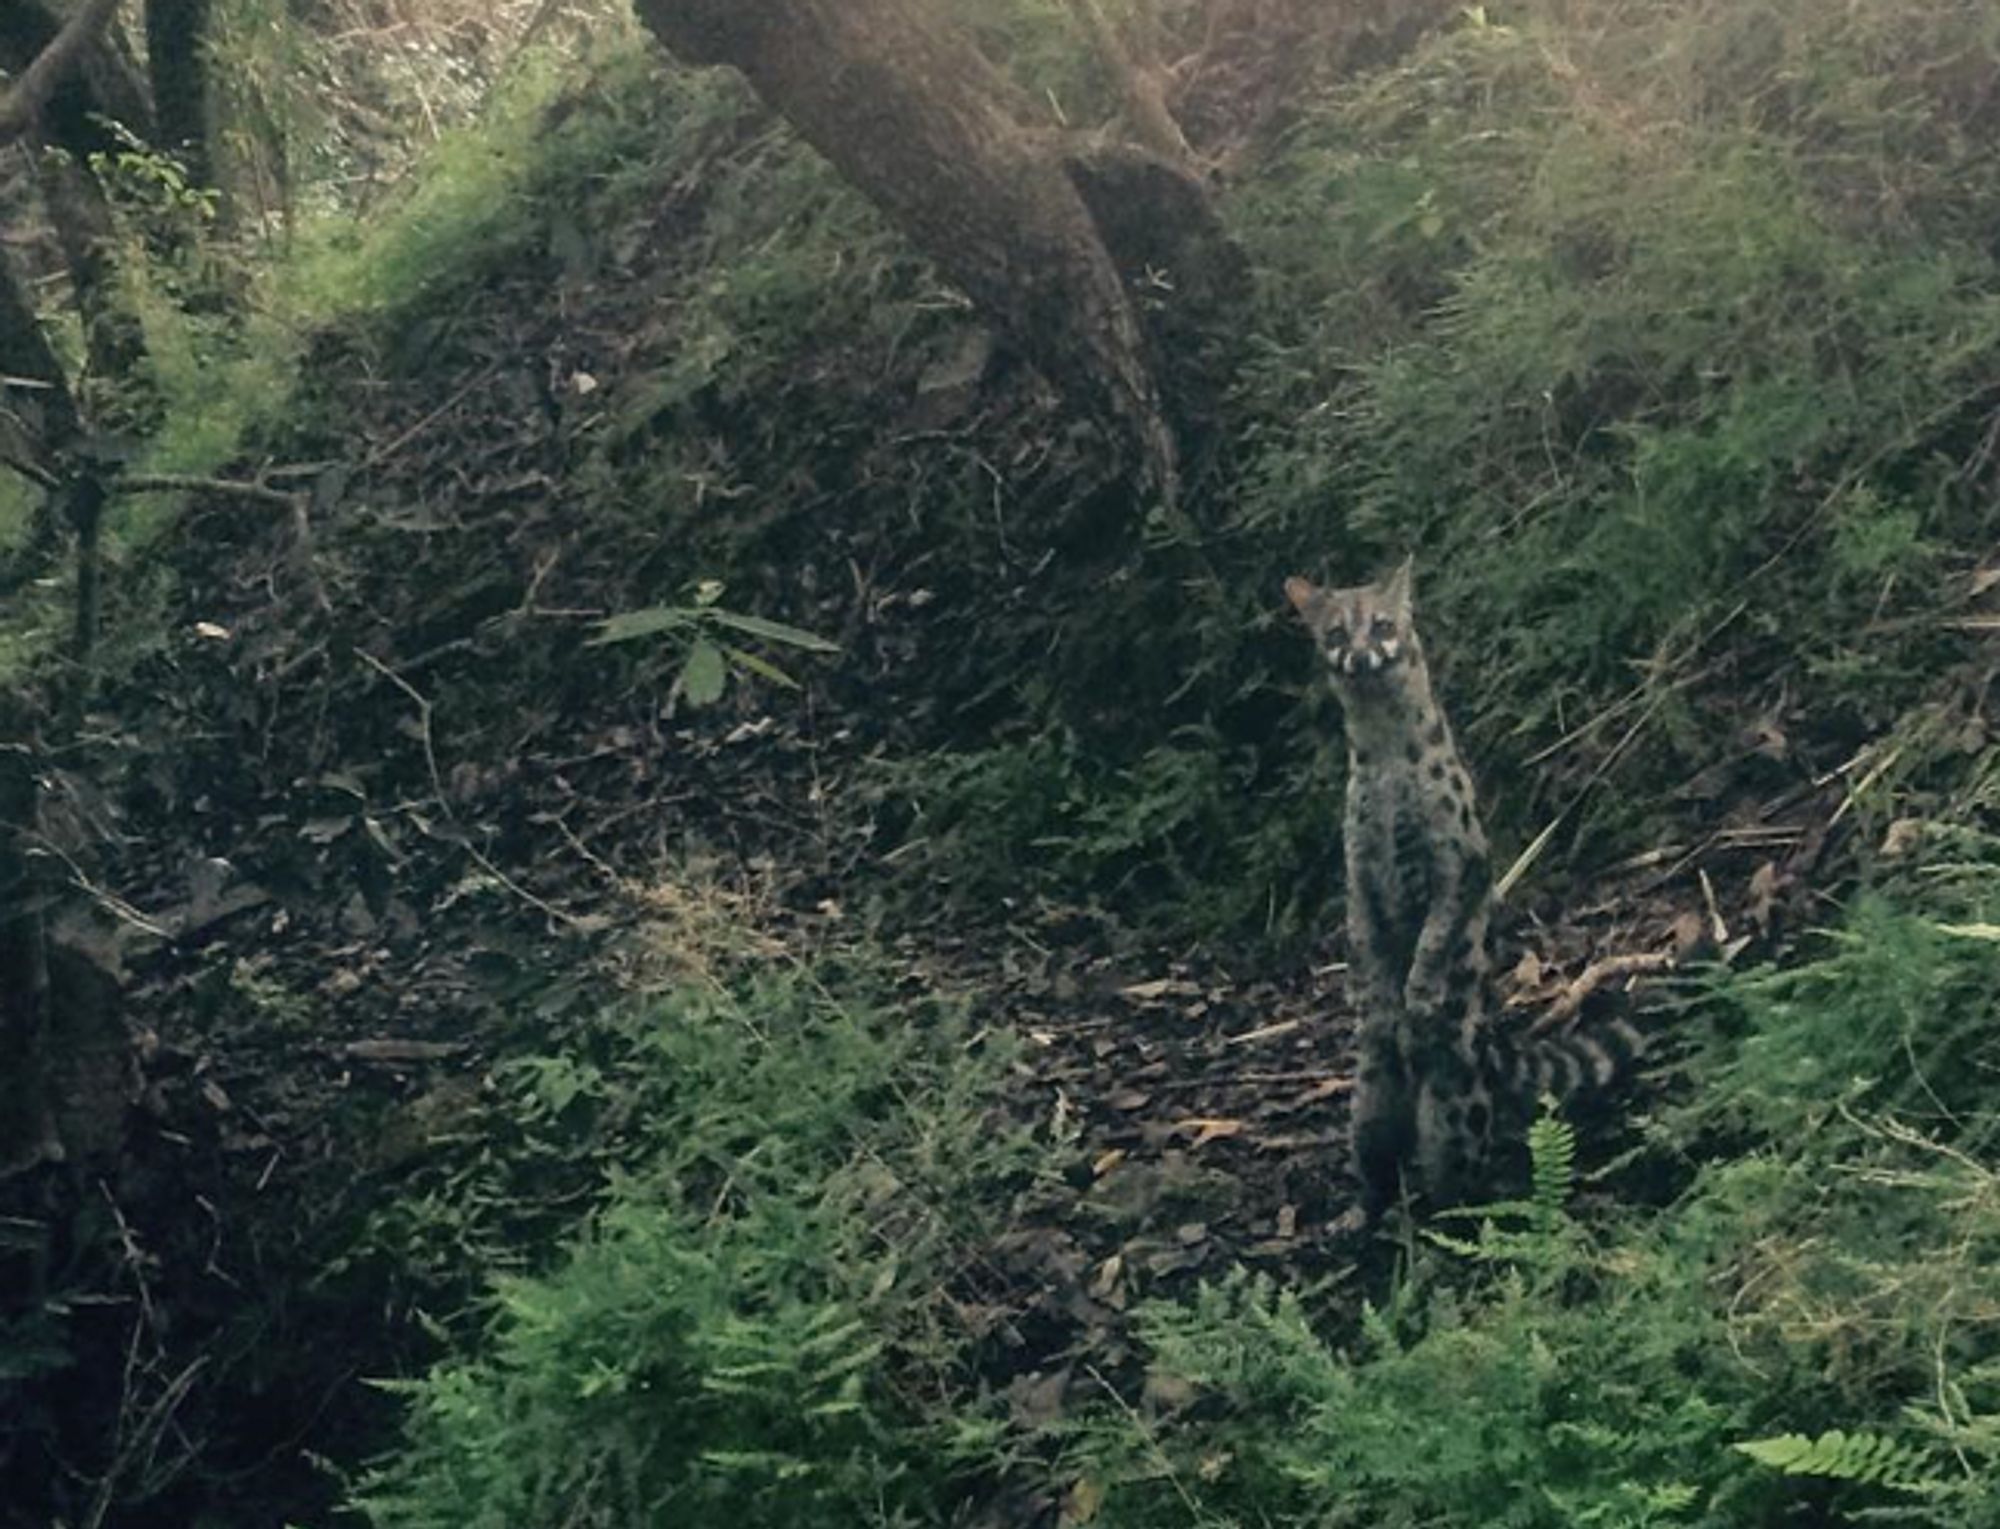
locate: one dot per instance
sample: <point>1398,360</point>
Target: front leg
<point>1445,1004</point>
<point>1450,947</point>
<point>1382,1118</point>
<point>1382,1121</point>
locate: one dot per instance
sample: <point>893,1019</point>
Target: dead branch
<point>185,483</point>
<point>443,797</point>
<point>1569,1003</point>
<point>41,477</point>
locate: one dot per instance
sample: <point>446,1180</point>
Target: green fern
<point>1552,1156</point>
<point>1842,1456</point>
<point>1533,1233</point>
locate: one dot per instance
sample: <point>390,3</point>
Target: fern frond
<point>1463,1247</point>
<point>1552,1154</point>
<point>1842,1456</point>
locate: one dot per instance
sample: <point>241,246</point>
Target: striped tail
<point>1565,1064</point>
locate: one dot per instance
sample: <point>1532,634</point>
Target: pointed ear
<point>1398,585</point>
<point>1303,596</point>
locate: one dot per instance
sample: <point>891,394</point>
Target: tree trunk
<point>1141,82</point>
<point>113,343</point>
<point>907,109</point>
<point>47,407</point>
<point>45,420</point>
<point>1186,274</point>
<point>77,79</point>
<point>28,1133</point>
<point>177,60</point>
<point>71,84</point>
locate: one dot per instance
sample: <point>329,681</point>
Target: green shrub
<point>785,1181</point>
<point>1661,332</point>
<point>1813,1321</point>
<point>662,1374</point>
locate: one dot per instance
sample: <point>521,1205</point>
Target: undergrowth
<point>1811,1327</point>
<point>785,1180</point>
<point>1664,336</point>
<point>723,1226</point>
<point>227,378</point>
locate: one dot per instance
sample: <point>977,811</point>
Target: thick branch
<point>912,114</point>
<point>25,354</point>
<point>22,105</point>
<point>177,63</point>
<point>51,425</point>
<point>1142,88</point>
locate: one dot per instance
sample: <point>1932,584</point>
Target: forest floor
<point>309,1043</point>
<point>387,820</point>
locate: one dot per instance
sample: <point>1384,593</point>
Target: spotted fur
<point>1434,1078</point>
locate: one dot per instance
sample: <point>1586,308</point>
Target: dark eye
<point>1336,635</point>
<point>1381,629</point>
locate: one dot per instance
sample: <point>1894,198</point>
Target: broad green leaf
<point>703,675</point>
<point>760,666</point>
<point>649,622</point>
<point>773,631</point>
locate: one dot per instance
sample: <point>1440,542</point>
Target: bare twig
<point>40,476</point>
<point>293,501</point>
<point>1569,1003</point>
<point>382,453</point>
<point>423,704</point>
<point>1262,1033</point>
<point>139,1432</point>
<point>184,483</point>
<point>1151,1439</point>
<point>143,1441</point>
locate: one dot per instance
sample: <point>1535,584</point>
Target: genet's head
<point>1365,633</point>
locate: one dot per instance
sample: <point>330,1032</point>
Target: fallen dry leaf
<point>1901,838</point>
<point>1766,882</point>
<point>1035,1401</point>
<point>1084,1499</point>
<point>1210,1128</point>
<point>1166,1392</point>
<point>1528,970</point>
<point>1163,987</point>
